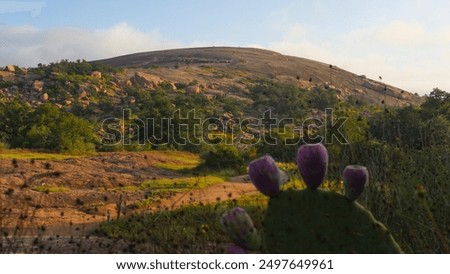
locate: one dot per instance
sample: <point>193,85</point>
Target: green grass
<point>176,166</point>
<point>51,189</point>
<point>26,154</point>
<point>190,229</point>
<point>6,84</point>
<point>163,185</point>
<point>154,198</point>
<point>126,188</point>
<point>182,183</point>
<point>175,160</point>
<point>166,187</point>
<point>147,202</point>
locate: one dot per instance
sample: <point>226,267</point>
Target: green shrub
<point>223,157</point>
<point>322,99</point>
<point>46,127</point>
<point>54,129</point>
<point>6,84</point>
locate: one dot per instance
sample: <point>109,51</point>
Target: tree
<point>13,117</point>
<point>51,128</point>
<point>285,100</point>
<point>438,96</point>
<point>322,99</point>
<point>437,132</point>
<point>223,157</point>
<point>437,103</point>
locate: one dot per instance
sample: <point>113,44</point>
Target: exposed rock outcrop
<point>96,74</point>
<point>193,90</point>
<point>10,68</point>
<point>44,97</point>
<point>82,93</point>
<point>146,80</point>
<point>7,76</point>
<point>37,86</point>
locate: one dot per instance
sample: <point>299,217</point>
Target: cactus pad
<point>318,221</point>
<point>239,227</point>
<point>310,220</point>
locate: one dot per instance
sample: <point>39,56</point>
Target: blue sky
<point>406,42</point>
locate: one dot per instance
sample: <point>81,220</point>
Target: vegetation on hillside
<point>45,127</point>
<point>406,149</point>
<point>79,67</point>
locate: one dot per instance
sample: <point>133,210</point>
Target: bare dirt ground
<point>86,189</point>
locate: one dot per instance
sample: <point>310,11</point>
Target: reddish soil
<point>93,185</point>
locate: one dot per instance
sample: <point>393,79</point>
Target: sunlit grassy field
<point>19,154</point>
<point>176,160</point>
<point>182,183</point>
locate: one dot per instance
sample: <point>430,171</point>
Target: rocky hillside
<point>212,72</point>
<point>224,67</point>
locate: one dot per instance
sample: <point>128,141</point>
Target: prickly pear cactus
<point>239,227</point>
<point>318,221</point>
<point>313,220</point>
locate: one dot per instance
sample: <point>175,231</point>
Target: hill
<point>222,67</point>
<point>223,84</point>
<point>216,72</point>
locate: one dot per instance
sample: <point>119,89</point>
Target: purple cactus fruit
<point>240,229</point>
<point>355,178</point>
<point>235,249</point>
<point>266,176</point>
<point>312,161</point>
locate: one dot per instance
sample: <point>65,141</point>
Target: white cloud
<point>444,34</point>
<point>297,40</point>
<point>401,33</point>
<point>28,46</point>
<point>403,53</point>
<point>296,32</point>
